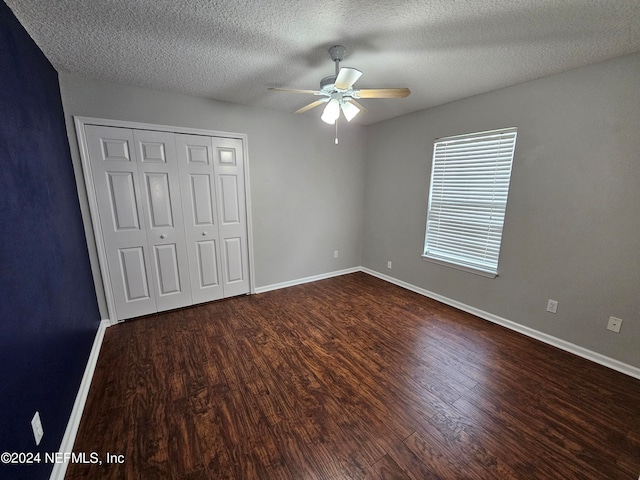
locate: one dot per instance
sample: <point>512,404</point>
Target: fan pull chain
<point>336,131</point>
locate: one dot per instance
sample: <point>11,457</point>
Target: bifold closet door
<point>172,211</point>
<point>195,160</point>
<point>116,182</point>
<point>228,157</point>
<point>137,191</point>
<point>162,206</point>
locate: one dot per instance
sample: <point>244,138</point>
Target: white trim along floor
<point>69,438</point>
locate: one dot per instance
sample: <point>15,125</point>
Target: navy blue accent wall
<point>48,309</point>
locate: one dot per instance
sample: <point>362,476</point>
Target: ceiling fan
<point>338,93</point>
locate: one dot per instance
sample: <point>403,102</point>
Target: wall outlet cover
<point>36,426</point>
<point>614,324</point>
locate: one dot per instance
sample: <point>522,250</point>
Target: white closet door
<point>195,161</point>
<point>115,177</point>
<point>171,210</point>
<point>162,206</point>
<point>228,158</point>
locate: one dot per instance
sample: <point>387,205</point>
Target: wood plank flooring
<point>350,377</point>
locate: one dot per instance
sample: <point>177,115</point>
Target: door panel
<point>229,170</point>
<point>163,211</point>
<point>197,154</point>
<point>124,210</point>
<point>195,158</point>
<point>168,270</point>
<point>229,194</point>
<point>134,274</point>
<point>202,199</point>
<point>115,178</point>
<point>159,201</point>
<point>233,260</point>
<point>152,151</point>
<point>208,266</point>
<point>115,149</point>
<point>226,155</point>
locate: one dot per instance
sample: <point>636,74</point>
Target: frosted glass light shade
<point>349,110</point>
<point>331,112</point>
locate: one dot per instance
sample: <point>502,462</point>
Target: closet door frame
<point>80,123</point>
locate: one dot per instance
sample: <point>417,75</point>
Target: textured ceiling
<point>442,50</point>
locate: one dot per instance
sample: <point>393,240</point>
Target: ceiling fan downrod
<point>337,53</point>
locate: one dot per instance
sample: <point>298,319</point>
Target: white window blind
<point>468,197</point>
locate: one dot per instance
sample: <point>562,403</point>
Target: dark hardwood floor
<point>350,377</point>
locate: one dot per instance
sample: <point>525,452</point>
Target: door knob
<point>204,234</point>
<point>163,236</point>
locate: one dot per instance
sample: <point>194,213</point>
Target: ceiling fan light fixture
<point>349,110</point>
<point>338,93</point>
<point>331,112</point>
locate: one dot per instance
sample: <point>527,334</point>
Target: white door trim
<point>80,123</point>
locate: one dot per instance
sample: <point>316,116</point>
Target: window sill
<point>476,271</point>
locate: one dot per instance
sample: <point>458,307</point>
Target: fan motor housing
<point>337,53</point>
<point>326,84</point>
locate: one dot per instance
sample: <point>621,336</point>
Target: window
<point>467,199</point>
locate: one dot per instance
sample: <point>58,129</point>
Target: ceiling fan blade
<point>315,104</point>
<point>347,77</point>
<point>382,93</point>
<point>293,90</point>
<point>357,104</point>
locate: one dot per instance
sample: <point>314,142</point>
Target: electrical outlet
<point>614,324</point>
<point>552,306</point>
<point>389,264</point>
<point>336,253</point>
<point>36,425</point>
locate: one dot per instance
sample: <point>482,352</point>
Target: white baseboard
<point>529,332</point>
<point>69,438</point>
<point>300,281</point>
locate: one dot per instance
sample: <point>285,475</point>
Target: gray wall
<point>572,230</point>
<point>306,193</point>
